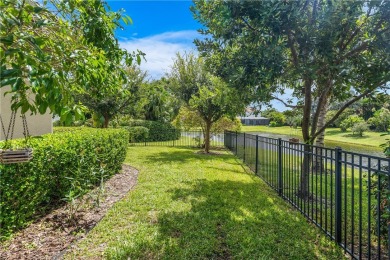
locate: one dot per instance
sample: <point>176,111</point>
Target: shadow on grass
<point>344,134</point>
<point>185,155</point>
<point>227,220</point>
<point>358,137</point>
<point>333,132</point>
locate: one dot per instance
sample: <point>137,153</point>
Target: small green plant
<point>100,192</point>
<point>72,200</point>
<point>359,128</point>
<point>197,140</point>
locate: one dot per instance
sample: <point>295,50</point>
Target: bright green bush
<point>158,131</point>
<point>277,118</point>
<point>60,129</point>
<point>350,121</point>
<point>66,162</point>
<point>381,120</point>
<point>138,133</point>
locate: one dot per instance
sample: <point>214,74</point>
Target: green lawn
<point>333,136</point>
<point>193,206</point>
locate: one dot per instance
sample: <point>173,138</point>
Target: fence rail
<point>187,138</point>
<point>344,193</point>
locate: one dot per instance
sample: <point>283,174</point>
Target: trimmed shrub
<point>67,162</point>
<point>158,131</point>
<point>138,134</point>
<point>359,128</point>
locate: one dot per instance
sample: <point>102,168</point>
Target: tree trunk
<point>304,180</point>
<point>106,120</point>
<point>318,163</point>
<point>207,137</point>
<point>303,191</point>
<point>307,110</point>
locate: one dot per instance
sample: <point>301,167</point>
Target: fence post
<point>236,141</point>
<point>338,195</point>
<point>257,153</point>
<point>243,157</point>
<point>280,169</point>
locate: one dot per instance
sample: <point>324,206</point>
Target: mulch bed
<point>50,236</point>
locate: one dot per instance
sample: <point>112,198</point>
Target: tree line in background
<point>332,54</point>
<point>369,113</point>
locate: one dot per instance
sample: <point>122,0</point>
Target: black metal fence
<point>345,194</point>
<point>188,138</point>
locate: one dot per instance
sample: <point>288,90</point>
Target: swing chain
<point>13,118</point>
<point>26,133</point>
<point>11,126</point>
<point>2,126</point>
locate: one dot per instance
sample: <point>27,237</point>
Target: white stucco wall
<point>37,124</point>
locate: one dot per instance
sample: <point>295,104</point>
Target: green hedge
<point>138,134</point>
<point>158,131</point>
<point>64,163</point>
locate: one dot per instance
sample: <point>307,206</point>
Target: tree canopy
<point>52,50</point>
<point>323,50</point>
<point>207,94</point>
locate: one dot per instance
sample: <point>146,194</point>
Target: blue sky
<point>160,29</point>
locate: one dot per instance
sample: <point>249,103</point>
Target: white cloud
<point>161,49</point>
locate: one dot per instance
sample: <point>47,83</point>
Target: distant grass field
<point>188,205</point>
<point>333,136</point>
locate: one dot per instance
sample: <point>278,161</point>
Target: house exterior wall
<point>253,121</point>
<point>37,124</point>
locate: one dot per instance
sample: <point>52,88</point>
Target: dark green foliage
<point>380,189</point>
<point>66,162</point>
<point>158,131</point>
<point>138,134</point>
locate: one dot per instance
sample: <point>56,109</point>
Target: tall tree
<point>321,49</point>
<point>207,94</point>
<point>158,102</point>
<point>108,104</point>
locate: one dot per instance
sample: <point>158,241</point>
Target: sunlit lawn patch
<point>196,206</point>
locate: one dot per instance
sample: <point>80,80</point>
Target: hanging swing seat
<point>8,156</point>
<point>16,156</point>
